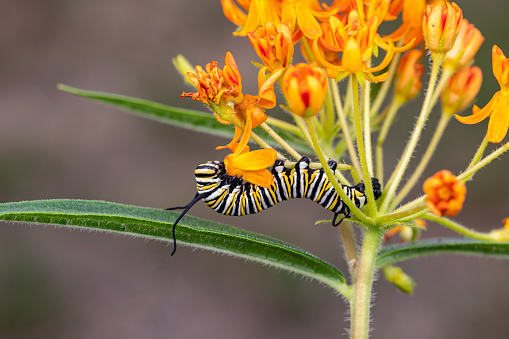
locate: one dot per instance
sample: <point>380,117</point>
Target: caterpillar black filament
<point>231,196</point>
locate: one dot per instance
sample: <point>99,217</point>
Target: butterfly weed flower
<point>498,107</point>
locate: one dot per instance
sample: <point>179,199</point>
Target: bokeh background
<point>57,283</point>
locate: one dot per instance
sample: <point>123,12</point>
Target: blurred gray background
<point>57,283</point>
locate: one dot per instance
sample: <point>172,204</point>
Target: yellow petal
<point>255,160</point>
<point>479,114</point>
<point>261,178</point>
<point>499,120</point>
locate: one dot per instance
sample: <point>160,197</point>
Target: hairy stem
<point>362,154</point>
<point>281,141</point>
<point>284,125</point>
<point>360,305</point>
<point>458,228</point>
<point>344,125</point>
<point>391,114</point>
<point>439,131</point>
<point>395,179</point>
<point>349,246</point>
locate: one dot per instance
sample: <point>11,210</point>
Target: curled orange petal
<point>479,114</point>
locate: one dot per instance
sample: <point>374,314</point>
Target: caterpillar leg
<point>345,215</point>
<point>186,208</point>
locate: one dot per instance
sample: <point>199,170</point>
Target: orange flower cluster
<point>446,193</point>
<point>341,37</point>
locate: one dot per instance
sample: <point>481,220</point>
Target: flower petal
<point>255,160</point>
<point>479,114</point>
<point>499,120</point>
<point>261,178</point>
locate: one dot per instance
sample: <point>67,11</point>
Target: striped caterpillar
<point>229,195</point>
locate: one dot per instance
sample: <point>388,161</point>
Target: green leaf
<point>401,252</point>
<point>157,224</point>
<point>181,117</point>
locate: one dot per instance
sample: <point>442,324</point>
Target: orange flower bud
<point>468,42</point>
<point>304,87</point>
<point>273,44</point>
<point>440,25</point>
<point>409,75</point>
<point>446,193</point>
<point>462,89</point>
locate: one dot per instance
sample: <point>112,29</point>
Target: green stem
<point>471,170</point>
<point>302,126</point>
<point>360,305</point>
<point>400,215</point>
<point>439,131</point>
<point>329,109</point>
<point>284,125</point>
<point>395,179</point>
<point>391,114</point>
<point>362,154</point>
<point>344,126</point>
<point>281,141</point>
<point>366,98</point>
<point>349,246</point>
<point>365,220</point>
<point>444,79</point>
<point>384,89</point>
<point>458,228</point>
<point>478,155</point>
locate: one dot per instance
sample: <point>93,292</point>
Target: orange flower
<point>358,41</point>
<point>304,87</point>
<point>440,25</point>
<point>221,90</point>
<point>498,107</point>
<point>251,166</point>
<point>461,89</point>
<point>214,84</point>
<point>446,193</point>
<point>467,43</point>
<point>411,27</point>
<point>409,75</point>
<point>259,13</point>
<point>303,14</point>
<point>273,44</point>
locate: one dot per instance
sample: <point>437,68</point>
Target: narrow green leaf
<point>157,224</point>
<point>401,252</point>
<point>181,117</point>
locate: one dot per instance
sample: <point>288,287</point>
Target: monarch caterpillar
<point>229,195</point>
